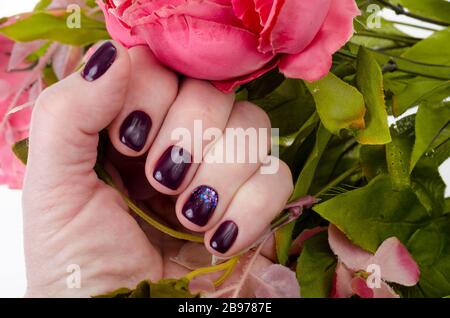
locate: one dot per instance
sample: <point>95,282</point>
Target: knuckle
<point>286,174</point>
<point>49,98</point>
<point>253,114</point>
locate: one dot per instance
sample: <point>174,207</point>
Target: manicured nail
<point>224,237</point>
<point>99,62</point>
<point>172,167</point>
<point>201,204</point>
<point>134,130</point>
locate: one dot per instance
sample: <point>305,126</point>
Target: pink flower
<point>13,126</point>
<point>357,269</point>
<point>231,42</point>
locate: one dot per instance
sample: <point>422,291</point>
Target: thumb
<point>68,116</point>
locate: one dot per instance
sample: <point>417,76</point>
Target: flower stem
<point>227,266</point>
<point>378,35</point>
<point>133,207</point>
<point>338,180</point>
<point>398,9</point>
<point>394,68</point>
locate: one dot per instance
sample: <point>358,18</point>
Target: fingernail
<point>201,204</point>
<point>99,62</point>
<point>224,237</point>
<point>134,130</point>
<point>172,167</point>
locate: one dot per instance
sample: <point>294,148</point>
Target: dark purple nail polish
<point>99,62</point>
<point>201,204</point>
<point>172,167</point>
<point>224,237</point>
<point>134,130</point>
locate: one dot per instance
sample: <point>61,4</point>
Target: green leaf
<point>42,5</point>
<point>316,267</point>
<point>370,83</point>
<point>20,149</point>
<point>340,105</point>
<point>283,237</point>
<point>171,288</point>
<point>437,9</point>
<point>165,288</point>
<point>429,52</point>
<point>373,213</point>
<point>408,92</point>
<point>398,154</point>
<point>431,119</point>
<point>430,247</point>
<point>429,188</point>
<point>283,241</point>
<point>264,85</point>
<point>373,161</point>
<point>306,177</point>
<point>46,26</point>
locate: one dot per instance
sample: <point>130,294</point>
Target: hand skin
<point>72,217</point>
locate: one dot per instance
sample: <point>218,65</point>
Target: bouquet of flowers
<point>363,115</point>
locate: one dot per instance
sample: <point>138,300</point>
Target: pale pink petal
<point>315,61</point>
<point>66,59</point>
<point>224,52</point>
<point>360,288</point>
<point>201,285</point>
<point>58,4</point>
<point>296,207</point>
<point>385,291</point>
<point>342,282</point>
<point>396,263</point>
<point>297,244</point>
<point>192,256</point>
<point>354,257</point>
<point>294,25</point>
<point>20,51</point>
<point>5,89</point>
<point>276,281</point>
<point>35,90</point>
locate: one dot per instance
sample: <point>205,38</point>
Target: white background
<point>12,269</point>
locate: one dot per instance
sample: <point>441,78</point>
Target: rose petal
<point>246,11</point>
<point>315,61</point>
<point>342,282</point>
<point>224,52</point>
<point>117,29</point>
<point>192,256</point>
<point>263,7</point>
<point>230,85</point>
<point>293,26</point>
<point>396,263</point>
<point>354,257</point>
<point>276,281</point>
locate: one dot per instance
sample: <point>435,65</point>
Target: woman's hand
<point>71,217</point>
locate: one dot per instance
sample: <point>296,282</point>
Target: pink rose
<point>13,127</point>
<point>231,42</point>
